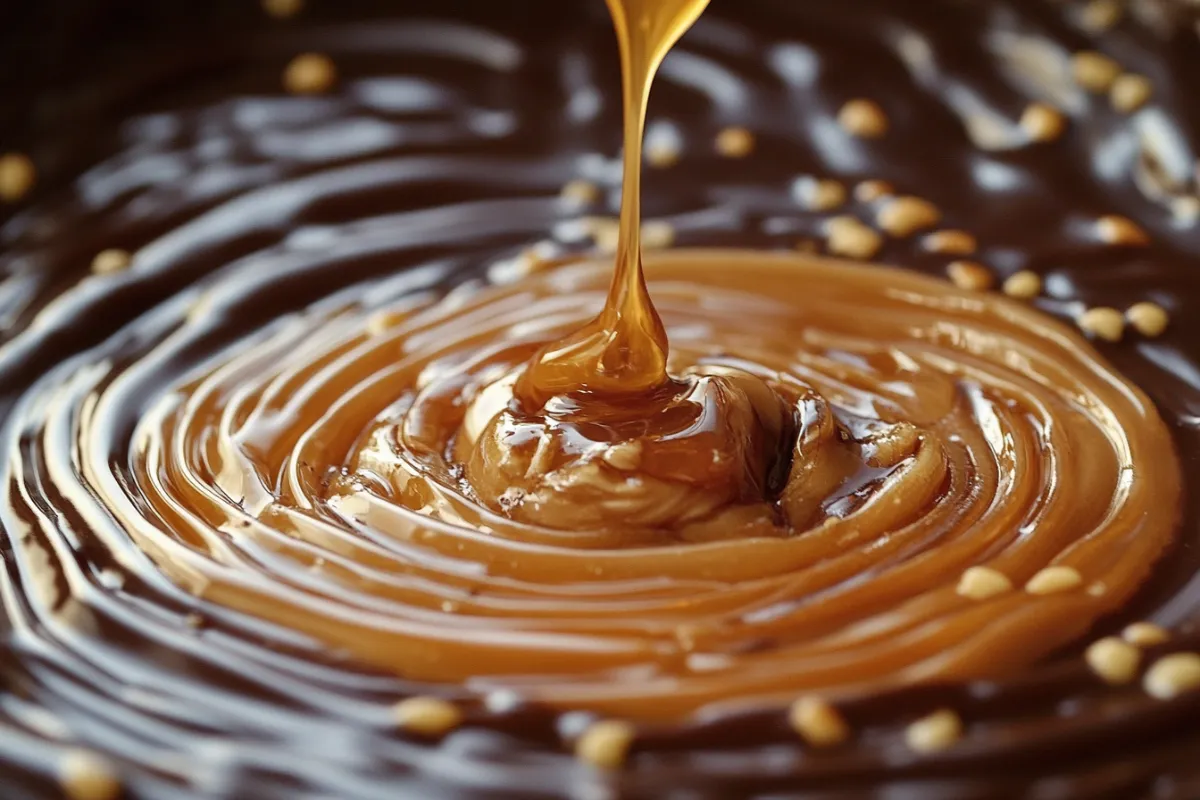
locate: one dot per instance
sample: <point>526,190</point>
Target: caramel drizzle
<point>624,350</point>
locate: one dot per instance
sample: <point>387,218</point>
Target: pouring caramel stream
<point>624,350</point>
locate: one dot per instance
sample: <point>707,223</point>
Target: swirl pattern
<point>1022,450</point>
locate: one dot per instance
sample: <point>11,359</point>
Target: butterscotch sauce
<point>302,490</point>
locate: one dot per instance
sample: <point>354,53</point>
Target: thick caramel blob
<point>323,478</point>
<point>720,452</point>
<point>664,460</point>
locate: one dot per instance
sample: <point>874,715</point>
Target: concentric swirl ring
<point>302,479</point>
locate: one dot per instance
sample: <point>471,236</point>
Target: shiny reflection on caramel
<point>321,479</point>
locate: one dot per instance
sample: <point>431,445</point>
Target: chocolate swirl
<point>190,591</point>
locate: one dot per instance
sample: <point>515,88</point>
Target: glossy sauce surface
<point>239,510</point>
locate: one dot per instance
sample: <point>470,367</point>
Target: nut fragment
<point>1130,92</point>
<point>1043,122</point>
<point>983,583</point>
<point>1054,580</point>
<point>904,216</point>
<point>111,261</point>
<point>310,73</point>
<point>1023,285</point>
<point>605,232</point>
<point>605,744</point>
<point>951,242</point>
<point>17,176</point>
<point>870,191</point>
<point>428,716</point>
<point>282,9</point>
<point>1103,323</point>
<point>1148,319</point>
<point>657,234</point>
<point>936,732</point>
<point>1115,229</point>
<point>83,775</point>
<point>1094,71</point>
<point>735,142</point>
<point>863,118</point>
<point>970,275</point>
<point>1172,676</point>
<point>1114,660</point>
<point>1100,15</point>
<point>580,191</point>
<point>662,154</point>
<point>849,237</point>
<point>819,194</point>
<point>1145,634</point>
<point>817,722</point>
